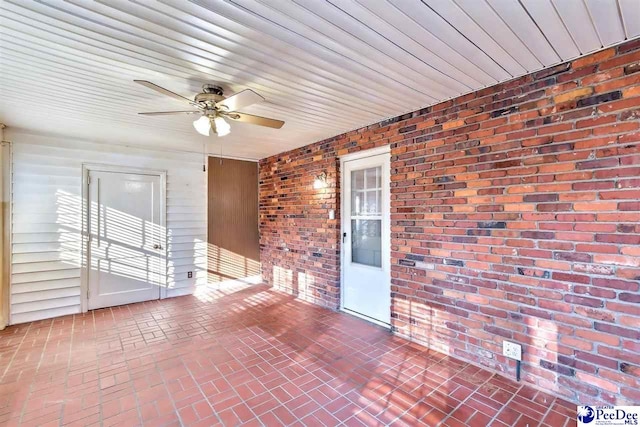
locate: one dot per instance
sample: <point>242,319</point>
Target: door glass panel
<point>372,177</point>
<point>357,202</point>
<point>366,241</point>
<point>372,205</point>
<point>357,179</point>
<point>366,192</point>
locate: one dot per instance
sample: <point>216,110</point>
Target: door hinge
<point>88,179</point>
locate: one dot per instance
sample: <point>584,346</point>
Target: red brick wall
<point>523,202</point>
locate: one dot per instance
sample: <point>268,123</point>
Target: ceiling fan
<point>215,107</point>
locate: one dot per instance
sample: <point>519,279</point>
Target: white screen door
<point>126,253</point>
<point>366,287</point>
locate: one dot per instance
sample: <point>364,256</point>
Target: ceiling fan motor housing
<point>208,98</point>
<point>215,89</point>
<point>210,94</point>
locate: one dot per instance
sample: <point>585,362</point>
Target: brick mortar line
<point>513,395</point>
<point>255,378</point>
<point>37,367</point>
<point>508,281</point>
<point>430,151</point>
<point>441,361</point>
<point>66,377</point>
<point>269,391</point>
<point>488,99</point>
<point>548,411</point>
<point>485,368</point>
<point>13,356</point>
<point>146,351</point>
<point>427,156</point>
<point>204,396</point>
<point>464,401</point>
<point>24,404</point>
<point>272,179</point>
<point>311,356</point>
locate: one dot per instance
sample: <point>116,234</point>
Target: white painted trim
<point>386,218</point>
<point>365,153</point>
<point>99,167</point>
<point>86,168</point>
<point>6,190</point>
<point>244,159</point>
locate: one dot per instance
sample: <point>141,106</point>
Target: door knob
<point>156,246</point>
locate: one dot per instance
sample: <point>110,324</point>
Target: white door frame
<point>97,167</point>
<point>386,220</point>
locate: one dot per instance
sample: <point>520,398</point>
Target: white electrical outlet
<point>512,350</point>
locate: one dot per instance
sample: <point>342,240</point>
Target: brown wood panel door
<point>233,237</point>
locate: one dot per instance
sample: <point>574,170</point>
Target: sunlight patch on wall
<point>224,265</point>
<point>305,285</point>
<point>283,279</point>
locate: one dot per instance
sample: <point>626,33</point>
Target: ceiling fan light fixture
<point>222,127</point>
<point>202,125</point>
<point>213,105</point>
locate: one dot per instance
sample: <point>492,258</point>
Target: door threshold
<point>365,317</point>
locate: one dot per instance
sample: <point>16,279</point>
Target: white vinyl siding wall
<point>47,220</point>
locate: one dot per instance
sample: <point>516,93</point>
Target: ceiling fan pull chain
<point>204,157</point>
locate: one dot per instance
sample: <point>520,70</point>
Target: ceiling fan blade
<point>165,91</point>
<point>240,100</point>
<point>165,113</point>
<point>255,120</point>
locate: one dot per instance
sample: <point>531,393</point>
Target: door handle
<point>344,236</point>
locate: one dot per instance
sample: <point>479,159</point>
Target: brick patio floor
<point>247,356</point>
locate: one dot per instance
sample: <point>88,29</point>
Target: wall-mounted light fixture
<point>321,181</point>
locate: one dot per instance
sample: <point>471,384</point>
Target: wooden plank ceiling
<point>324,67</point>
